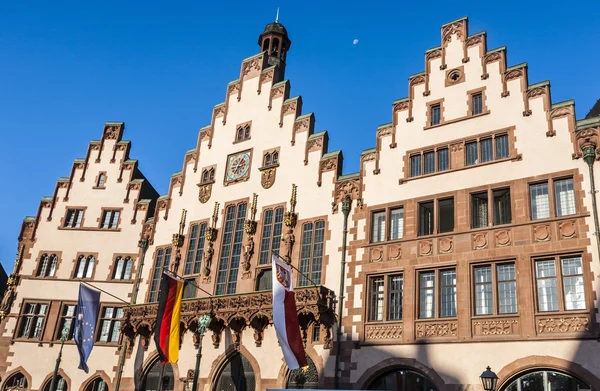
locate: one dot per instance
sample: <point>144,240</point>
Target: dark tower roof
<point>275,28</point>
<point>595,111</point>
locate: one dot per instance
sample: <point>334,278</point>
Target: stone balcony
<point>239,312</point>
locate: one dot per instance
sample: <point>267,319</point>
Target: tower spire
<point>277,16</point>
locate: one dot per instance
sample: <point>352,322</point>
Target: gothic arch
<point>396,362</point>
<point>98,374</point>
<point>48,379</point>
<point>153,359</point>
<point>316,358</point>
<point>15,371</point>
<point>510,371</point>
<point>223,359</point>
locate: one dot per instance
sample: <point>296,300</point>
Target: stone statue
<point>208,255</point>
<point>248,252</point>
<point>288,243</point>
<point>7,300</point>
<point>175,265</point>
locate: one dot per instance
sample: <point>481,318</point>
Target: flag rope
<point>295,268</point>
<point>102,290</point>
<point>187,281</point>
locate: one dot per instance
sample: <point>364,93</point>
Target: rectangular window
<point>396,223</point>
<point>572,274</point>
<point>32,320</point>
<point>189,289</point>
<point>471,152</point>
<point>378,229</point>
<point>193,260</point>
<point>479,210</point>
<point>376,299</point>
<point>547,293</point>
<point>502,214</point>
<point>429,162</point>
<point>110,219</point>
<point>426,295</point>
<point>442,155</point>
<point>74,218</point>
<point>311,251</point>
<point>501,146</point>
<point>231,250</point>
<point>264,279</point>
<point>507,288</point>
<point>435,115</point>
<point>110,324</point>
<point>415,165</point>
<point>487,150</point>
<point>539,200</point>
<point>565,197</point>
<point>67,322</point>
<point>446,215</point>
<point>426,218</point>
<point>476,103</point>
<point>163,258</point>
<point>395,297</point>
<point>271,235</point>
<point>483,290</point>
<point>448,293</point>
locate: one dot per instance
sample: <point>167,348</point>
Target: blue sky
<point>68,67</point>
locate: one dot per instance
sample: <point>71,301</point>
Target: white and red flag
<point>285,316</point>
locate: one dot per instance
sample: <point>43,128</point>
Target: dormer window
<point>271,158</point>
<point>242,133</point>
<point>208,175</point>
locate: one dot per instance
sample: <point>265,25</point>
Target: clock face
<point>238,166</point>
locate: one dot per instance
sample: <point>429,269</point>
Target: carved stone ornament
<point>493,57</point>
<point>441,329</point>
<point>425,247</point>
<point>111,132</point>
<point>514,74</point>
<point>566,324</point>
<point>349,187</point>
<point>204,193</point>
<point>289,107</point>
<point>328,165</point>
<point>267,177</point>
<point>384,332</point>
<point>567,230</point>
<point>95,147</point>
<point>417,80</point>
<point>162,204</point>
<point>445,245</point>
<point>395,252</point>
<point>541,233</point>
<point>266,76</point>
<point>252,65</point>
<point>437,53</point>
<point>474,40</point>
<point>247,256</point>
<point>302,125</point>
<point>456,147</point>
<point>278,91</point>
<point>376,254</point>
<point>539,91</point>
<point>480,241</point>
<point>588,138</point>
<point>385,131</point>
<point>561,112</point>
<point>456,28</point>
<point>495,327</point>
<point>503,238</point>
<point>314,144</point>
<point>205,133</point>
<point>233,88</point>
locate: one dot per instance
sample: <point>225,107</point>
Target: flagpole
<point>295,268</point>
<point>160,376</point>
<point>58,360</point>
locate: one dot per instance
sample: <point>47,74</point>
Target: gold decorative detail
<point>567,230</point>
<point>563,324</point>
<point>445,245</point>
<point>383,332</point>
<point>178,240</point>
<point>503,238</point>
<point>250,229</point>
<point>267,177</point>
<point>441,329</point>
<point>480,241</point>
<point>425,247</point>
<point>495,327</point>
<point>204,193</point>
<point>541,233</point>
<point>395,252</point>
<point>209,251</point>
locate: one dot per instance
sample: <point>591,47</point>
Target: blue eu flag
<point>85,323</point>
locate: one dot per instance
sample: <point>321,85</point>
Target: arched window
<point>123,268</point>
<point>267,159</point>
<point>101,180</point>
<point>275,157</point>
<point>237,375</point>
<point>402,380</point>
<point>266,44</point>
<point>247,132</point>
<point>85,266</point>
<point>311,252</point>
<point>193,260</point>
<point>159,373</point>
<point>211,174</point>
<point>299,379</point>
<point>275,48</point>
<point>98,384</point>
<point>47,265</point>
<point>240,134</point>
<point>546,380</point>
<point>61,384</point>
<point>15,382</point>
<point>163,257</point>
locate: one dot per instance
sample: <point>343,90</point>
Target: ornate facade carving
<point>376,254</point>
<point>437,53</point>
<point>415,80</point>
<point>112,132</point>
<point>385,131</point>
<point>541,233</point>
<point>451,29</point>
<point>438,329</point>
<point>209,251</point>
<point>567,230</point>
<point>492,57</point>
<point>204,193</point>
<point>495,327</point>
<point>564,324</point>
<point>539,91</point>
<point>349,187</point>
<point>445,245</point>
<point>480,241</point>
<point>253,65</point>
<point>503,238</point>
<point>395,251</point>
<point>514,74</point>
<point>250,230</point>
<point>383,332</point>
<point>472,41</point>
<point>267,177</point>
<point>425,247</point>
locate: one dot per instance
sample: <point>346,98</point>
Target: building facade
<point>471,242</point>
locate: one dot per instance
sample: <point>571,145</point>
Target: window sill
<point>438,319</point>
<point>517,157</point>
<point>383,322</point>
<point>561,313</point>
<point>241,141</point>
<point>90,229</point>
<point>107,344</point>
<point>211,182</point>
<point>495,316</point>
<point>453,121</point>
<point>263,168</point>
<point>99,188</point>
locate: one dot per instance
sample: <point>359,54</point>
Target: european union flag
<point>85,323</point>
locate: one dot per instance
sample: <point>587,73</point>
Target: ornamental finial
<point>253,207</point>
<point>182,222</point>
<point>18,260</point>
<point>215,215</point>
<point>293,199</point>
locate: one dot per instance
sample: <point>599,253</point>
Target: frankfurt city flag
<point>285,317</point>
<point>87,315</point>
<point>166,331</point>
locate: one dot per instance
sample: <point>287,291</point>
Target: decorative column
<point>250,229</point>
<point>178,243</point>
<point>210,236</point>
<point>201,326</point>
<point>290,221</point>
<point>11,286</point>
<point>346,203</point>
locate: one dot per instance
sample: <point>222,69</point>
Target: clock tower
<point>275,41</point>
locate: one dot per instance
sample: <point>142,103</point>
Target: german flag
<point>166,331</point>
